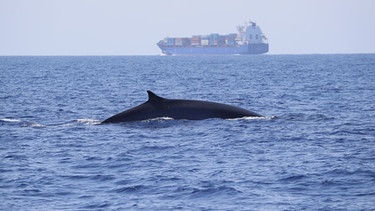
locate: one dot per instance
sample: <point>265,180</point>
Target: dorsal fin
<point>153,98</point>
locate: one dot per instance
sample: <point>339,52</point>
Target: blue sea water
<point>314,150</point>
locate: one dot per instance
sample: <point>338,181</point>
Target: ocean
<point>313,150</point>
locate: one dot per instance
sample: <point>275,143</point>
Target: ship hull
<point>258,48</point>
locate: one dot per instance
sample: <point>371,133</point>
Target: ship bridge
<point>250,33</point>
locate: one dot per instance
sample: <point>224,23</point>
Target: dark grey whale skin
<point>156,107</point>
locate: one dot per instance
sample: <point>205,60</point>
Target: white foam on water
<point>254,118</point>
<point>89,121</point>
<point>160,119</point>
<point>10,120</point>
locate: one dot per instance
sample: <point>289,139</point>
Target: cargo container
<point>196,40</point>
<point>178,41</point>
<point>170,41</point>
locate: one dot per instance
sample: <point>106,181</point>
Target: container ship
<point>248,40</point>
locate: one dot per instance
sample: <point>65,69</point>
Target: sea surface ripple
<point>314,150</point>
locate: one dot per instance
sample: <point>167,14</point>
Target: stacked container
<point>214,39</point>
<point>196,40</point>
<point>230,39</point>
<point>205,40</point>
<point>178,41</point>
<point>170,41</point>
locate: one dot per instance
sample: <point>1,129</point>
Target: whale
<point>159,107</point>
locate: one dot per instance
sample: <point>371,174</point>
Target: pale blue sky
<point>122,27</point>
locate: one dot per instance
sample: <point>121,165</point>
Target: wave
<point>10,120</point>
<point>25,123</point>
<point>21,122</point>
<point>130,189</point>
<point>213,191</point>
<point>88,121</point>
<point>163,119</point>
<point>254,118</point>
<point>306,117</point>
<point>158,119</point>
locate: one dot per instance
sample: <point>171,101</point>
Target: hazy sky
<point>133,27</point>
